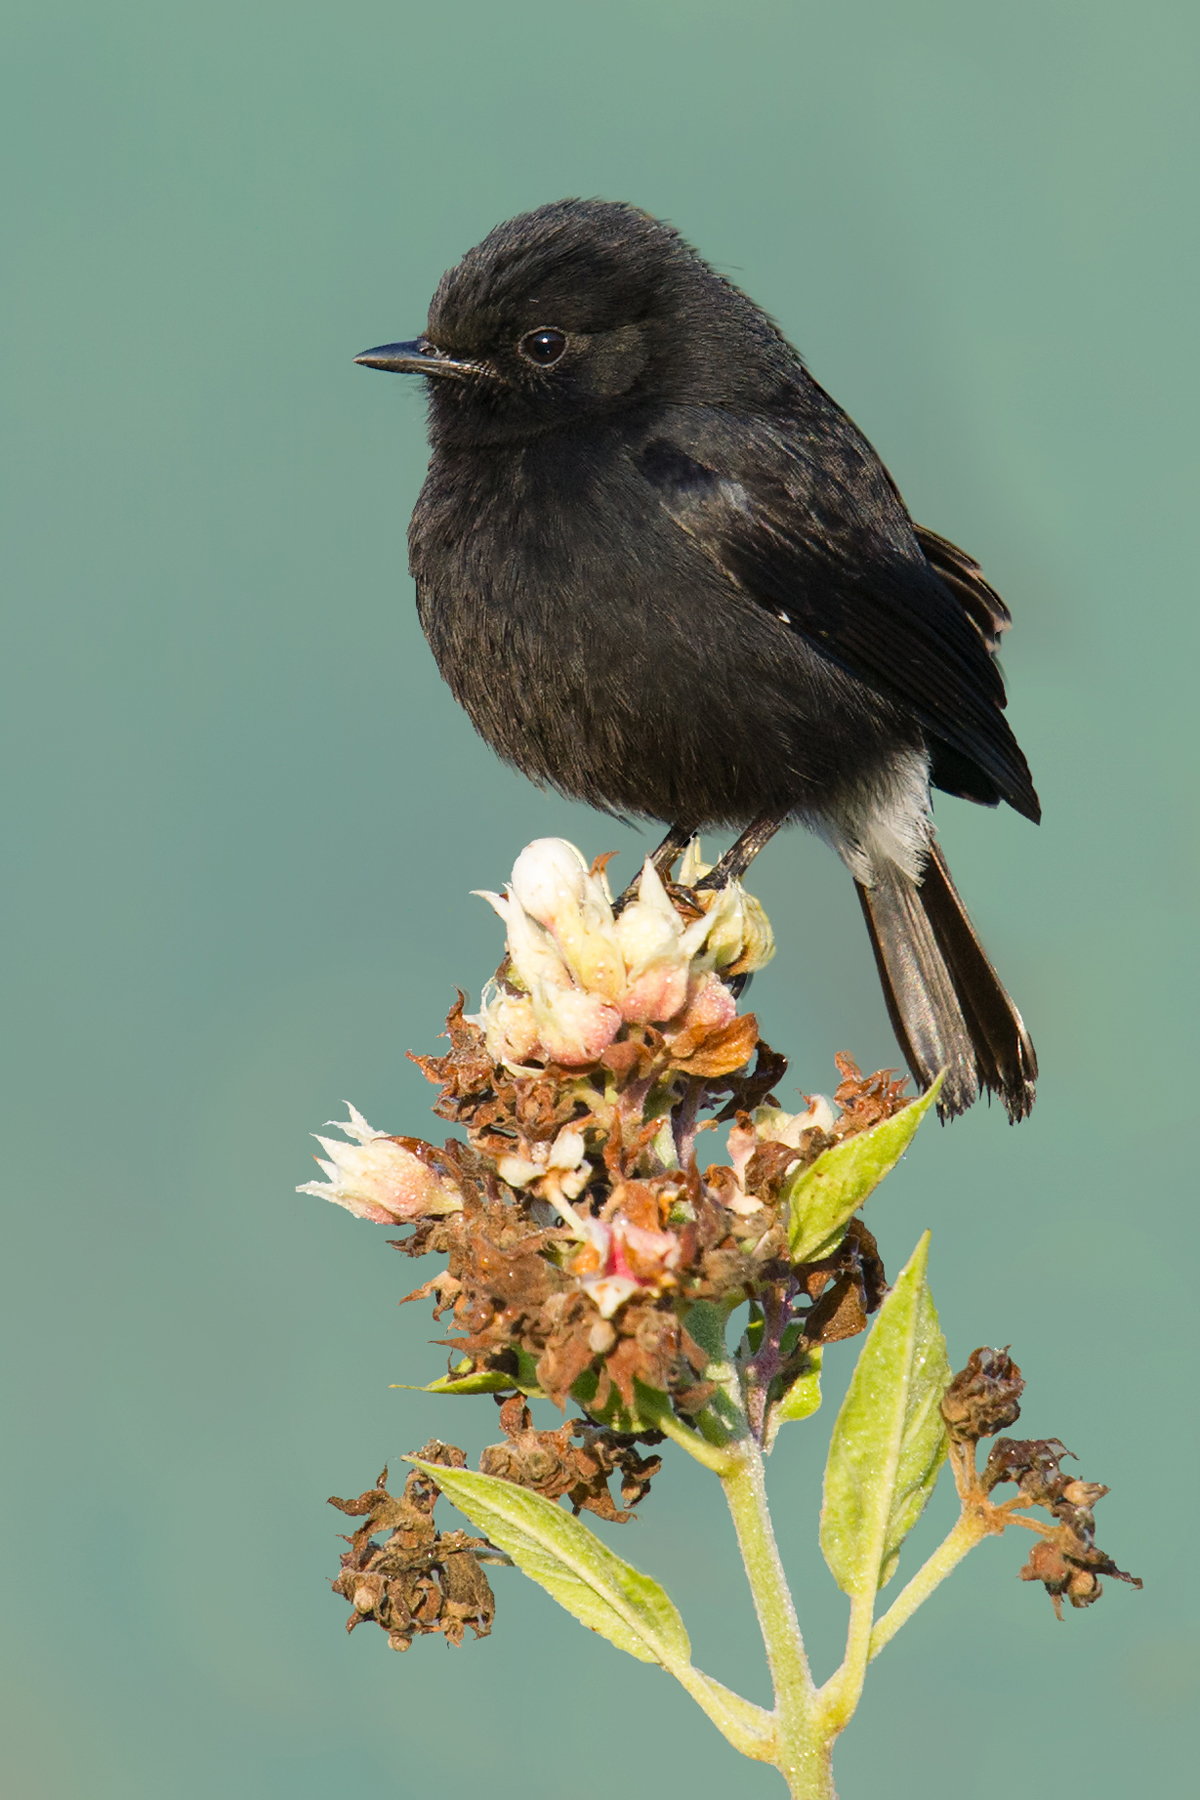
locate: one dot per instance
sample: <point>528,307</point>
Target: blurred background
<point>244,819</point>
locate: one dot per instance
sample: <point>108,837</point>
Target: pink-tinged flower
<point>549,1024</point>
<point>710,1006</point>
<point>575,1027</point>
<point>376,1178</point>
<point>562,1019</point>
<point>657,949</point>
<point>621,1259</point>
<point>508,1026</point>
<point>771,1126</point>
<point>556,1172</point>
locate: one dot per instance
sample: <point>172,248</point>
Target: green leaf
<point>800,1401</point>
<point>706,1323</point>
<point>823,1197</point>
<point>889,1441</point>
<point>482,1381</point>
<point>571,1563</point>
<point>613,1413</point>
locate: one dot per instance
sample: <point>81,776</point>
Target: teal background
<point>244,817</point>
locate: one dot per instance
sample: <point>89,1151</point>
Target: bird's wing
<point>964,577</point>
<point>809,525</point>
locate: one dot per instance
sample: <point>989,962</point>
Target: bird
<point>665,574</point>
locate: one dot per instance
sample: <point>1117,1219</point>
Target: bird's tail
<point>946,1003</point>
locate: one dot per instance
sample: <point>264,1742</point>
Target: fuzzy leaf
<point>479,1381</point>
<point>465,1380</point>
<point>823,1197</point>
<point>571,1563</point>
<point>706,1323</point>
<point>889,1441</point>
<point>800,1401</point>
<point>613,1413</point>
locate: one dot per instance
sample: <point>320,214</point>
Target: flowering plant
<point>593,1260</point>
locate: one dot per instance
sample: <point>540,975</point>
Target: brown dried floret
<point>503,1279</point>
<point>418,1581</point>
<point>550,1464</point>
<point>465,1072</point>
<point>866,1100</point>
<point>750,1087</point>
<point>984,1397</point>
<point>718,1051</point>
<point>652,1348</point>
<point>1032,1463</point>
<point>1065,1560</point>
<point>1069,1565</point>
<point>845,1288</point>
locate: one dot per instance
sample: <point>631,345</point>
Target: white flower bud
<point>378,1179</point>
<point>556,887</point>
<point>509,1027</point>
<point>610,1292</point>
<point>788,1128</point>
<point>601,1337</point>
<point>548,874</point>
<point>518,1171</point>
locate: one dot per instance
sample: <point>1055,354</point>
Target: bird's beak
<point>419,357</point>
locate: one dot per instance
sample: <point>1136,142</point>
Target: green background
<point>244,817</point>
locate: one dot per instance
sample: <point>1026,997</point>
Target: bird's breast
<point>595,646</point>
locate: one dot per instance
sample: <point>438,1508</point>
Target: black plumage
<point>665,573</point>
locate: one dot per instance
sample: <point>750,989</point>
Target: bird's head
<point>578,311</point>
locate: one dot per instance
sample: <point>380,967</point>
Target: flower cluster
<point>984,1398</point>
<point>579,1225</point>
<point>578,971</point>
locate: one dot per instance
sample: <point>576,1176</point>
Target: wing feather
<point>809,524</point>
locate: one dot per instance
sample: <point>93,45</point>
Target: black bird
<point>664,573</point>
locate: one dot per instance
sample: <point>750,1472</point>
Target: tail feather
<point>947,1006</point>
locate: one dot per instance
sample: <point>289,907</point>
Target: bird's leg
<point>662,861</point>
<point>739,856</point>
<point>671,849</point>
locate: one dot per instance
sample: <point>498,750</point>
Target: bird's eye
<point>543,346</point>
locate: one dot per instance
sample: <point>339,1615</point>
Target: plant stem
<point>970,1530</point>
<point>802,1747</point>
<point>843,1691</point>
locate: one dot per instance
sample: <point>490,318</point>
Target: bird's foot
<point>740,855</point>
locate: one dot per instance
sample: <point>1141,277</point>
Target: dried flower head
<point>980,1400</point>
<point>983,1398</point>
<point>1066,1560</point>
<point>552,1464</point>
<point>418,1580</point>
